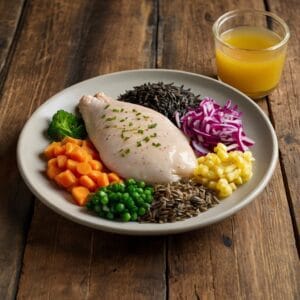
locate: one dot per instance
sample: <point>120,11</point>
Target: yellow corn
<point>223,171</point>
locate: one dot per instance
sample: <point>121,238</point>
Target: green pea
<point>119,195</point>
<point>119,207</point>
<point>146,206</point>
<point>136,195</point>
<point>134,216</point>
<point>101,193</point>
<point>148,192</point>
<point>131,181</point>
<point>126,217</point>
<point>134,209</point>
<point>113,196</point>
<point>139,201</point>
<point>149,198</point>
<point>140,190</point>
<point>110,216</point>
<point>104,200</point>
<point>95,200</point>
<point>126,196</point>
<point>141,184</point>
<point>131,189</point>
<point>129,203</point>
<point>121,187</point>
<point>141,211</point>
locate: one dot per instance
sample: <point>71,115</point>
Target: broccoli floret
<point>65,124</point>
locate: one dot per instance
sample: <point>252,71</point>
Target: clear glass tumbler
<point>250,50</point>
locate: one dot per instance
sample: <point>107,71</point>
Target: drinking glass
<point>250,50</point>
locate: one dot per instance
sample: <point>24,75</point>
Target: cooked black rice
<point>164,98</point>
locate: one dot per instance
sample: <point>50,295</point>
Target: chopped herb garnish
<point>156,144</point>
<point>138,119</point>
<point>111,119</point>
<point>127,151</point>
<point>126,138</point>
<point>138,143</point>
<point>103,116</point>
<point>146,117</point>
<point>107,106</point>
<point>152,125</point>
<point>141,131</point>
<point>107,126</point>
<point>134,110</point>
<point>115,110</point>
<point>147,139</point>
<point>153,135</point>
<point>138,114</point>
<point>122,120</point>
<point>130,124</point>
<point>122,109</point>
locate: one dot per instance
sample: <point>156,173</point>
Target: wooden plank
<point>63,42</point>
<point>251,255</point>
<point>14,215</point>
<point>286,99</point>
<point>10,13</point>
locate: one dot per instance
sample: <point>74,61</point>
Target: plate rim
<point>158,229</point>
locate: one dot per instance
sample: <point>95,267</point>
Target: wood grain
<point>10,14</point>
<point>63,42</point>
<point>14,216</point>
<point>285,107</point>
<point>239,258</point>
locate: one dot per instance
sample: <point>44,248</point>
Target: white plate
<point>32,141</point>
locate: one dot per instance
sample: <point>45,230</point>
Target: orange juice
<point>248,61</point>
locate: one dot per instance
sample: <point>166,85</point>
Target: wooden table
<point>46,46</point>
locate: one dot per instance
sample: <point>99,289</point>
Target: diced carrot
<point>88,144</point>
<point>78,154</point>
<point>94,175</point>
<point>66,178</point>
<point>71,140</point>
<point>71,165</point>
<point>113,177</point>
<point>48,152</point>
<point>62,161</point>
<point>87,182</point>
<point>90,148</point>
<point>96,165</point>
<point>103,180</point>
<point>52,162</point>
<point>53,171</point>
<point>80,194</point>
<point>59,149</point>
<point>83,168</point>
<point>70,147</point>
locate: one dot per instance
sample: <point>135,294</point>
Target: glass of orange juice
<point>250,50</point>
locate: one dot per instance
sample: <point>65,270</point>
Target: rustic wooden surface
<point>46,46</point>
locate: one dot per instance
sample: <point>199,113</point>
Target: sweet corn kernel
<point>222,155</point>
<point>223,171</point>
<point>238,180</point>
<point>212,185</point>
<point>233,186</point>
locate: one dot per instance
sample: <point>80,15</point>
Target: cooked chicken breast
<point>135,141</point>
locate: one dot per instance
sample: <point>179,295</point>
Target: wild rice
<point>164,98</point>
<point>178,201</point>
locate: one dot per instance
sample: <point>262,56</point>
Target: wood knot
<point>208,17</point>
<point>290,139</point>
<point>227,241</point>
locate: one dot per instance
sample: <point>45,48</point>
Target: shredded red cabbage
<point>210,124</point>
